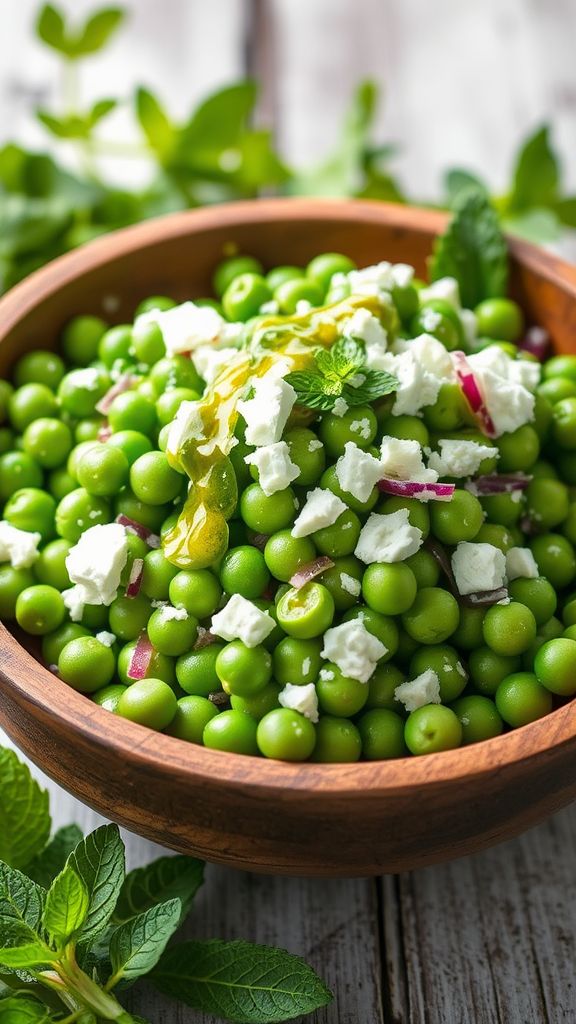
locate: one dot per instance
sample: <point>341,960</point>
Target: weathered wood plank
<point>490,937</point>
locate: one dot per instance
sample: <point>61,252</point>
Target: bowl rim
<point>32,683</point>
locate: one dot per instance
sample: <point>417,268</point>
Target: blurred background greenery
<point>56,197</point>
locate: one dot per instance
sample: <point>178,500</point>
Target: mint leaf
<point>155,123</point>
<point>376,384</point>
<point>51,29</point>
<point>21,1008</point>
<point>27,226</point>
<point>66,906</point>
<point>537,225</point>
<point>473,250</point>
<point>27,955</point>
<point>164,879</point>
<point>97,31</point>
<point>313,390</point>
<point>44,868</point>
<point>99,861</point>
<point>242,982</point>
<point>20,897</point>
<point>458,181</point>
<point>137,945</point>
<point>536,175</point>
<point>24,813</point>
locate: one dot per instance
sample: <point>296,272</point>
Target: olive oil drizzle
<point>200,537</point>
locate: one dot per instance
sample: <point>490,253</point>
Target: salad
<point>327,515</point>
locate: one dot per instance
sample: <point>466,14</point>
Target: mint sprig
<point>340,373</point>
<point>473,250</point>
<point>92,928</point>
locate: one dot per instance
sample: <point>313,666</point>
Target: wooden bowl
<point>357,819</point>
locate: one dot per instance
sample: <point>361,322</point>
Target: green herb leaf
<point>155,123</point>
<point>458,181</point>
<point>376,384</point>
<point>73,127</point>
<point>99,861</point>
<point>473,250</point>
<point>340,373</point>
<point>537,225</point>
<point>24,813</point>
<point>137,945</point>
<point>313,390</point>
<point>51,29</point>
<point>20,897</point>
<point>537,173</point>
<point>44,868</point>
<point>242,982</point>
<point>66,906</point>
<point>25,955</point>
<point>21,1008</point>
<point>97,31</point>
<point>164,879</point>
<point>27,226</point>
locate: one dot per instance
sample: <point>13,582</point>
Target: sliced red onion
<point>133,526</point>
<point>472,393</point>
<point>310,571</point>
<point>498,483</point>
<point>124,383</point>
<point>475,600</point>
<point>260,540</point>
<point>105,433</point>
<point>135,581</point>
<point>141,657</point>
<point>416,489</point>
<point>537,342</point>
<point>204,638</point>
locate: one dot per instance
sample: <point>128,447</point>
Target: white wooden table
<point>492,938</point>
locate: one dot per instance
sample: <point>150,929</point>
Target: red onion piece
<point>537,342</point>
<point>124,383</point>
<point>498,483</point>
<point>481,597</point>
<point>204,638</point>
<point>133,526</point>
<point>472,393</point>
<point>416,489</point>
<point>105,433</point>
<point>141,657</point>
<point>310,571</point>
<point>135,581</point>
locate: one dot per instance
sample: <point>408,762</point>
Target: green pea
<point>149,702</point>
<point>40,609</point>
<point>521,699</point>
<point>29,403</point>
<point>78,511</point>
<point>433,616</point>
<point>54,643</point>
<point>382,734</point>
<point>424,567</point>
<point>290,293</point>
<point>154,302</point>
<point>267,514</point>
<point>307,612</point>
<point>81,338</point>
<point>555,558</point>
<point>81,390</point>
<point>157,575</point>
<point>232,268</point>
<point>431,729</point>
<point>153,480</point>
<point>128,616</point>
<point>243,570</point>
<point>343,580</point>
<point>479,718</point>
<point>338,695</point>
<point>537,594</point>
<point>337,741</point>
<point>322,268</point>
<point>50,566</point>
<point>564,423</point>
<point>109,696</point>
<point>33,510</point>
<point>499,318</point>
<point>487,669</point>
<point>555,666</point>
<point>445,662</point>
<point>560,366</point>
<point>518,450</point>
<point>389,588</point>
<point>175,372</point>
<point>12,583</point>
<point>244,296</point>
<point>131,443</point>
<point>297,661</point>
<point>383,627</point>
<point>358,424</point>
<point>285,554</point>
<point>307,453</point>
<point>278,275</point>
<point>231,731</point>
<point>167,404</point>
<point>102,470</point>
<point>456,520</point>
<point>196,671</point>
<point>286,735</point>
<point>132,411</point>
<point>115,343</point>
<point>39,367</point>
<point>509,629</point>
<point>407,428</point>
<point>191,718</point>
<point>242,670</point>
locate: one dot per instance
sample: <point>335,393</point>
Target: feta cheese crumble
<point>478,567</point>
<point>357,471</point>
<point>240,619</point>
<point>185,327</point>
<point>340,407</point>
<point>96,562</point>
<point>350,584</point>
<point>460,458</point>
<point>266,414</point>
<point>19,547</point>
<point>416,693</point>
<point>445,288</point>
<point>503,381</point>
<point>417,386</point>
<point>106,638</point>
<point>321,509</point>
<point>209,360</point>
<point>276,471</point>
<point>186,426</point>
<point>300,698</point>
<point>353,649</point>
<point>402,460</point>
<point>74,600</point>
<point>170,614</point>
<point>367,328</point>
<point>388,538</point>
<point>521,562</point>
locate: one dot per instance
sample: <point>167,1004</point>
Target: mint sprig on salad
<point>74,926</point>
<point>340,373</point>
<point>473,250</point>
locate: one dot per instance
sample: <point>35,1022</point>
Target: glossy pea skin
<point>148,343</point>
<point>555,666</point>
<point>172,636</point>
<point>244,296</point>
<point>456,520</point>
<point>29,403</point>
<point>290,293</point>
<point>285,735</point>
<point>49,441</point>
<point>243,570</point>
<point>479,718</point>
<point>338,741</point>
<point>40,609</point>
<point>338,695</point>
<point>389,588</point>
<point>500,318</point>
<point>50,566</point>
<point>322,268</point>
<point>433,616</point>
<point>115,344</point>
<point>341,538</point>
<point>196,670</point>
<point>149,702</point>
<point>329,480</point>
<point>81,338</point>
<point>382,734</point>
<point>564,424</point>
<point>468,634</point>
<point>537,594</point>
<point>128,616</point>
<point>153,480</point>
<point>80,391</point>
<point>383,627</point>
<point>157,576</point>
<point>86,664</point>
<point>307,453</point>
<point>33,510</point>
<point>169,402</point>
<point>102,470</point>
<point>555,558</point>
<point>174,372</point>
<point>382,685</point>
<point>296,661</point>
<point>424,567</point>
<point>54,643</point>
<point>132,411</point>
<point>418,514</point>
<point>509,629</point>
<point>488,669</point>
<point>445,662</point>
<point>196,590</point>
<point>231,731</point>
<point>131,443</point>
<point>152,516</point>
<point>343,580</point>
<point>431,729</point>
<point>78,511</point>
<point>191,718</point>
<point>307,612</point>
<point>267,514</point>
<point>518,450</point>
<point>242,670</point>
<point>231,268</point>
<point>521,699</point>
<point>358,424</point>
<point>109,696</point>
<point>39,367</point>
<point>12,583</point>
<point>407,428</point>
<point>257,704</point>
<point>285,554</point>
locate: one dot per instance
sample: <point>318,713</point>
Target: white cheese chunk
<point>106,638</point>
<point>340,407</point>
<point>478,567</point>
<point>19,547</point>
<point>445,288</point>
<point>469,322</point>
<point>185,327</point>
<point>240,619</point>
<point>300,698</point>
<point>209,361</point>
<point>521,562</point>
<point>357,471</point>
<point>170,614</point>
<point>266,414</point>
<point>96,562</point>
<point>417,386</point>
<point>388,538</point>
<point>187,425</point>
<point>373,280</point>
<point>276,471</point>
<point>500,378</point>
<point>402,460</point>
<point>75,598</point>
<point>416,693</point>
<point>353,649</point>
<point>402,275</point>
<point>460,458</point>
<point>367,328</point>
<point>350,584</point>
<point>321,509</point>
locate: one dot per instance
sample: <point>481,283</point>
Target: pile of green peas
<point>65,468</point>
